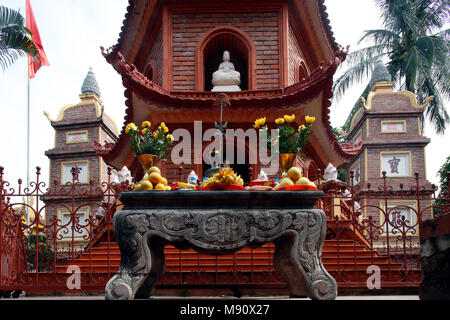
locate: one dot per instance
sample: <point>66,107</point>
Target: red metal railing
<point>72,226</point>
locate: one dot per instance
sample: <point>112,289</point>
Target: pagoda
<point>172,57</point>
<point>385,132</point>
<point>74,161</point>
<point>284,51</point>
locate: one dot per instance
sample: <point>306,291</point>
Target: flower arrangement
<point>290,139</point>
<point>145,141</point>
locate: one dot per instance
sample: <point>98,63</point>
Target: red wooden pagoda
<point>287,56</point>
<point>284,50</point>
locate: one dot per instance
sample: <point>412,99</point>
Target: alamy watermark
<point>74,280</point>
<point>374,281</point>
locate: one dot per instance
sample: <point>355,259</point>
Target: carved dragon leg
<point>298,257</point>
<point>131,233</point>
<point>285,264</point>
<point>156,272</point>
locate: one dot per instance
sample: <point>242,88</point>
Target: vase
<point>148,160</point>
<point>286,162</point>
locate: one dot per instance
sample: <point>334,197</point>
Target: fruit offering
<point>294,177</point>
<point>184,186</point>
<point>153,180</point>
<point>224,176</point>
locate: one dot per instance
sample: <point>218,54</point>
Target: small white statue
<point>226,79</point>
<point>262,176</point>
<point>124,175</point>
<point>330,173</point>
<point>192,178</point>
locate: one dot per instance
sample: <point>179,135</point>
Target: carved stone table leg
<point>298,256</point>
<point>156,271</point>
<point>140,266</point>
<point>298,235</point>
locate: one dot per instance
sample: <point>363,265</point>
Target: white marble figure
<point>124,175</point>
<point>226,79</point>
<point>262,176</point>
<point>192,178</point>
<point>330,173</point>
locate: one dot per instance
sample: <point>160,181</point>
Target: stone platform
<point>220,222</point>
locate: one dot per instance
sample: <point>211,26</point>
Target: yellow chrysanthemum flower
<point>170,137</point>
<point>279,121</point>
<point>155,134</point>
<point>310,120</point>
<point>163,127</point>
<point>144,131</point>
<point>289,118</point>
<point>260,122</point>
<point>146,124</point>
<point>302,127</point>
<point>131,127</point>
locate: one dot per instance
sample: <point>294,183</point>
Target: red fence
<point>66,243</point>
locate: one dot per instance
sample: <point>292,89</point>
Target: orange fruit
<point>153,169</point>
<point>294,173</point>
<point>302,181</point>
<point>163,181</point>
<point>155,177</point>
<point>146,185</point>
<point>160,186</point>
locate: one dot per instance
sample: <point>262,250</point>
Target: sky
<point>72,32</point>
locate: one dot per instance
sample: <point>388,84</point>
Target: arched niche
<point>150,71</point>
<point>309,166</point>
<point>301,71</point>
<point>209,55</point>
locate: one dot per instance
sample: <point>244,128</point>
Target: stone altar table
<point>220,222</point>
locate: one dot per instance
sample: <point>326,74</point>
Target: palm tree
<point>417,51</point>
<point>15,38</point>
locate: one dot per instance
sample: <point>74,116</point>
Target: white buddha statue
<point>226,79</point>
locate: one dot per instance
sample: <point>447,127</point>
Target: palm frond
<point>440,76</point>
<point>358,105</point>
<point>435,111</point>
<point>380,37</point>
<point>15,38</point>
<point>398,16</point>
<point>419,58</point>
<point>10,17</point>
<point>444,34</point>
<point>432,14</point>
<point>353,75</point>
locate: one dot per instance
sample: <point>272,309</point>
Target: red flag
<point>33,67</point>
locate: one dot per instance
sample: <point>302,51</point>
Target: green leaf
<point>15,38</point>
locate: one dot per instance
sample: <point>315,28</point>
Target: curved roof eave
<point>320,80</point>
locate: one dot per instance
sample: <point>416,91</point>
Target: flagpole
<point>28,148</point>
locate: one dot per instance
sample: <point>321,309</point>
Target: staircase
<point>337,256</point>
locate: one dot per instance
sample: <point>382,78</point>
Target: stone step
<point>336,255</point>
<point>243,267</point>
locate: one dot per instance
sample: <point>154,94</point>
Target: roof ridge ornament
<point>90,84</point>
<point>380,73</point>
